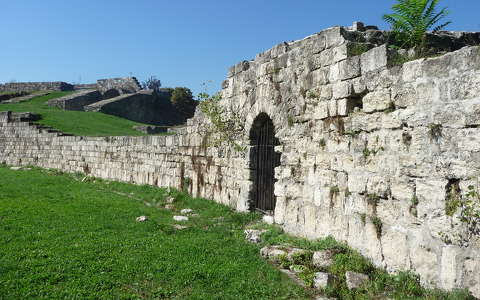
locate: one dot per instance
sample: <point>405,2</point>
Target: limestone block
<point>316,78</point>
<point>321,280</point>
<point>464,87</point>
<point>374,59</point>
<point>346,106</point>
<point>333,37</point>
<point>425,262</point>
<point>431,195</point>
<point>401,189</point>
<point>359,86</point>
<point>448,274</point>
<point>332,108</point>
<point>404,95</point>
<point>438,67</point>
<point>342,89</point>
<point>376,101</point>
<point>323,258</point>
<point>334,73</point>
<point>412,70</point>
<point>321,111</point>
<point>355,280</point>
<point>349,68</point>
<point>395,249</point>
<point>378,185</point>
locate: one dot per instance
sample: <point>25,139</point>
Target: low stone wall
<point>76,101</point>
<point>371,152</point>
<point>35,86</point>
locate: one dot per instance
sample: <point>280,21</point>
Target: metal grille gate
<point>263,162</point>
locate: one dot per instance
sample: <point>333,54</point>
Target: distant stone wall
<point>76,101</point>
<point>370,151</point>
<point>143,107</point>
<point>125,85</point>
<point>35,86</point>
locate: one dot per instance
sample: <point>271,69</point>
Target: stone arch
<point>263,161</point>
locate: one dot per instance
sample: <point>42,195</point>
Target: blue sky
<point>182,42</point>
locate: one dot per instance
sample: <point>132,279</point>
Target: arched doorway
<point>263,160</point>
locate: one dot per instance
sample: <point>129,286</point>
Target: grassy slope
<point>63,238</point>
<point>74,122</point>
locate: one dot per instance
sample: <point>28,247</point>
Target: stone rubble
<point>355,280</point>
<point>141,219</point>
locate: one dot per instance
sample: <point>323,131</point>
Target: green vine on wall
<point>227,126</point>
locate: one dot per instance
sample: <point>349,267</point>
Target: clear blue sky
<point>182,42</point>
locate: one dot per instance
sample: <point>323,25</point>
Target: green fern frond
<point>411,19</point>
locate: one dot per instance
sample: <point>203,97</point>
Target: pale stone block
<point>449,267</point>
<point>395,249</point>
<point>377,101</point>
<point>342,90</point>
<point>374,59</point>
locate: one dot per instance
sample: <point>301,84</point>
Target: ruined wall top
<point>126,85</point>
<point>35,86</point>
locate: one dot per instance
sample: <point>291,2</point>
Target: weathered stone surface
<point>141,219</point>
<point>127,85</point>
<point>180,218</point>
<point>321,280</point>
<point>273,251</point>
<point>323,259</point>
<point>355,280</point>
<point>254,235</point>
<point>35,86</point>
<point>374,59</point>
<point>76,101</point>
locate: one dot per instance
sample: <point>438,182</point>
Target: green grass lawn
<point>64,238</point>
<point>74,122</point>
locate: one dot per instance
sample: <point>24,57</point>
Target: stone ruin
<point>339,139</point>
<point>124,97</point>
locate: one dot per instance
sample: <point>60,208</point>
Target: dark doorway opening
<point>263,160</point>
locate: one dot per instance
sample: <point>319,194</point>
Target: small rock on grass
<point>141,219</point>
<point>169,207</point>
<point>323,259</point>
<point>15,168</point>
<point>186,211</point>
<point>354,279</point>
<point>170,199</point>
<point>272,251</point>
<point>321,280</point>
<point>254,235</point>
<point>179,227</point>
<point>180,218</point>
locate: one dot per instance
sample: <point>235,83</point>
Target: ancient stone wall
<point>35,86</point>
<point>125,85</point>
<point>77,100</point>
<point>144,107</point>
<point>371,151</point>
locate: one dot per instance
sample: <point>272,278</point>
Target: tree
<point>412,19</point>
<point>182,100</point>
<point>152,83</point>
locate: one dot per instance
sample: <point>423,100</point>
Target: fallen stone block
<point>355,280</point>
<point>323,259</point>
<point>321,280</point>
